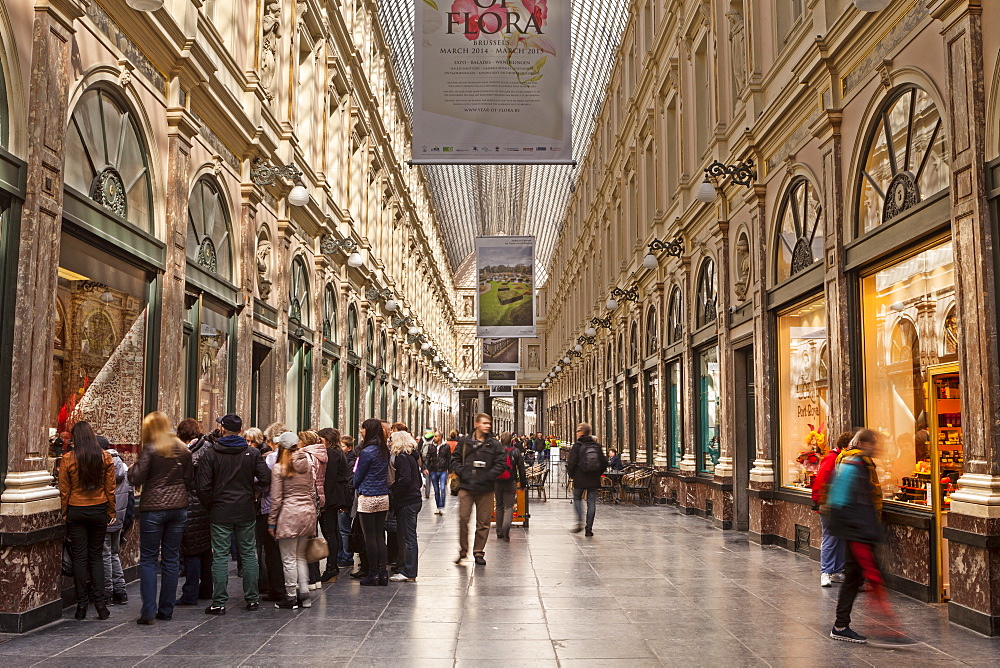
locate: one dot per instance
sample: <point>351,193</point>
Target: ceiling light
<point>355,260</point>
<point>650,261</point>
<point>706,192</point>
<point>298,196</point>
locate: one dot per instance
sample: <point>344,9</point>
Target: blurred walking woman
<point>87,493</point>
<point>166,472</point>
<point>371,480</point>
<point>292,519</point>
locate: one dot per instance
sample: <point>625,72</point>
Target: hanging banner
<point>505,274</point>
<point>492,82</point>
<point>501,355</point>
<point>501,390</point>
<point>501,377</point>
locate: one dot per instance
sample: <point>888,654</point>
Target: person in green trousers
<point>226,486</point>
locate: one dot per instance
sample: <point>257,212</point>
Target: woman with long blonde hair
<point>404,499</point>
<point>166,473</point>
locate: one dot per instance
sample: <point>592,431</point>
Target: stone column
<point>973,528</point>
<point>181,127</point>
<point>688,466</point>
<point>31,528</point>
<point>247,245</point>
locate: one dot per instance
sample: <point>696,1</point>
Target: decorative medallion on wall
<point>109,191</point>
<point>206,256</point>
<point>901,195</point>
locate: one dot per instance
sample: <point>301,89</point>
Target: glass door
<point>946,455</point>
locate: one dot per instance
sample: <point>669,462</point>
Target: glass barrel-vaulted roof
<point>474,200</point>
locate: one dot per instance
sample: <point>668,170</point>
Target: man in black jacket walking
<point>587,463</point>
<point>225,485</point>
<point>477,460</point>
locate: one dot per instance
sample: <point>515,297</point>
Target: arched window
<point>633,341</point>
<point>329,314</point>
<point>106,158</point>
<point>707,299</point>
<point>651,339</point>
<point>906,159</point>
<point>620,349</point>
<point>298,293</point>
<point>352,329</point>
<point>370,342</point>
<point>383,348</point>
<point>394,361</point>
<point>800,237</point>
<point>209,244</point>
<point>675,316</point>
<point>609,360</point>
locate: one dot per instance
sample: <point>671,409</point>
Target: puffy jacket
<point>165,480</point>
<point>264,489</point>
<point>293,499</point>
<point>72,493</point>
<point>337,486</point>
<point>319,460</point>
<point>405,490</point>
<point>122,489</point>
<point>823,476</point>
<point>478,463</point>
<point>852,500</point>
<point>371,474</point>
<point>225,480</point>
<point>585,479</point>
<point>197,537</point>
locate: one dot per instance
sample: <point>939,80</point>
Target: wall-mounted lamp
<point>742,173</point>
<point>374,294</point>
<point>399,321</point>
<point>673,248</point>
<point>263,173</point>
<point>587,337</point>
<point>574,352</point>
<point>630,295</point>
<point>600,322</point>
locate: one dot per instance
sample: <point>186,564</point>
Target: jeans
<point>197,578</point>
<point>345,521</point>
<point>221,536</point>
<point>114,576</point>
<point>831,551</point>
<point>591,506</point>
<point>329,523</point>
<point>506,498</point>
<point>406,530</point>
<point>295,567</point>
<point>85,528</point>
<point>439,479</point>
<point>373,524</point>
<point>483,501</point>
<point>160,533</point>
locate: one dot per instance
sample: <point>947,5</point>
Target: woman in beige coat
<point>292,520</point>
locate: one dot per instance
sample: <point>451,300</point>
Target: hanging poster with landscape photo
<point>505,278</point>
<point>492,82</point>
<point>501,390</point>
<point>501,377</point>
<point>501,354</point>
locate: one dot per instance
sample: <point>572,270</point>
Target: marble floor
<point>652,587</point>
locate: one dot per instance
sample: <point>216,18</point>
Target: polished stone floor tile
<point>653,587</point>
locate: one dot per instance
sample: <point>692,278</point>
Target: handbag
<point>316,549</point>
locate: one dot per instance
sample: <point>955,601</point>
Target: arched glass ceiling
<point>474,200</point>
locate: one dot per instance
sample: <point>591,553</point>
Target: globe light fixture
<point>558,368</point>
<point>425,346</point>
<point>650,261</point>
<point>566,360</point>
<point>437,359</point>
<point>145,5</point>
<point>413,331</point>
<point>391,305</point>
<point>298,196</point>
<point>611,304</point>
<point>590,331</point>
<point>871,5</point>
<point>355,260</point>
<point>706,192</point>
<point>578,348</point>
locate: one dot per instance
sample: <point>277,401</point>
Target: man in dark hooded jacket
<point>586,464</point>
<point>225,485</point>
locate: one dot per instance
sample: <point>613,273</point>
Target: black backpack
<point>589,457</point>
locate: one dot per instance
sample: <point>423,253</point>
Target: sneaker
<point>163,618</point>
<point>253,606</point>
<point>399,577</point>
<point>215,610</point>
<point>480,560</point>
<point>305,601</point>
<point>316,585</point>
<point>359,574</point>
<point>288,604</point>
<point>837,578</point>
<point>893,641</point>
<point>588,532</point>
<point>824,580</point>
<point>439,512</point>
<point>119,598</point>
<point>847,634</point>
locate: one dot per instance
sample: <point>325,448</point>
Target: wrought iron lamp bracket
<point>263,173</point>
<point>588,339</point>
<point>673,248</point>
<point>601,322</point>
<point>328,245</point>
<point>742,173</point>
<point>630,295</point>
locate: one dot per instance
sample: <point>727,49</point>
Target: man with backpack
<point>477,460</point>
<point>505,492</point>
<point>586,464</point>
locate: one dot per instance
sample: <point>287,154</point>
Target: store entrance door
<point>746,448</point>
<point>945,465</point>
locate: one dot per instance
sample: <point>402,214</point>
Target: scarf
<point>873,479</point>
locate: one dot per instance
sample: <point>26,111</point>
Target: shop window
<point>298,294</point>
<point>382,349</point>
<point>800,240</point>
<point>803,384</point>
<point>329,398</point>
<point>298,385</point>
<point>707,298</point>
<point>708,410</point>
<point>906,161</point>
<point>207,350</point>
<point>106,158</point>
<point>675,317</point>
<point>208,238</point>
<point>370,343</point>
<point>99,344</point>
<point>633,349</point>
<point>906,307</point>
<point>329,315</point>
<point>675,416</point>
<point>651,338</point>
<point>352,329</point>
<point>621,351</point>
